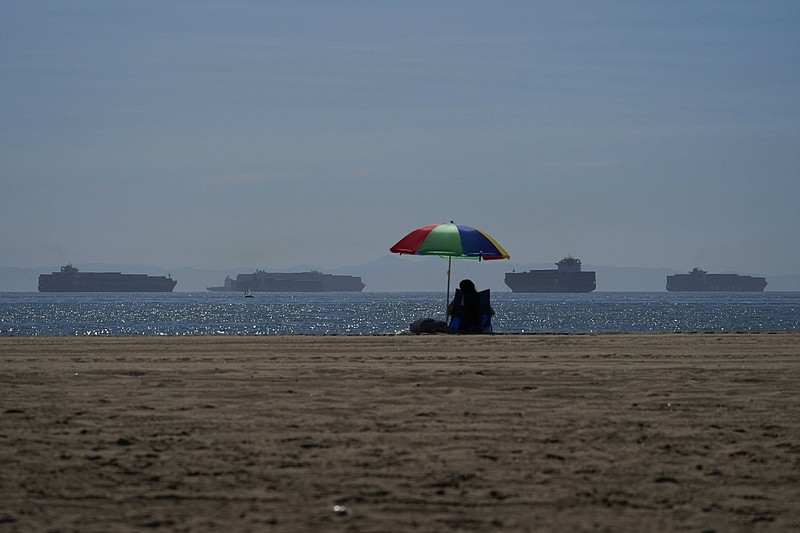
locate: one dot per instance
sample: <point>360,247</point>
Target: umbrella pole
<point>447,299</point>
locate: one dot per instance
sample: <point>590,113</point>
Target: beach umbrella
<point>451,241</point>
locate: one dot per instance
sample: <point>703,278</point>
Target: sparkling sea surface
<point>206,313</point>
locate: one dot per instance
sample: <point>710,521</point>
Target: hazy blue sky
<point>214,134</point>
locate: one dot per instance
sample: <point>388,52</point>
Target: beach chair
<point>480,322</point>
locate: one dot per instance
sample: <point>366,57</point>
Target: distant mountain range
<point>391,273</point>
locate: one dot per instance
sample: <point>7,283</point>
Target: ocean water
<point>28,314</point>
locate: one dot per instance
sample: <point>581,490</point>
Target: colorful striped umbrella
<point>450,240</point>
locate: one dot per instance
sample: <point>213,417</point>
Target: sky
<point>214,134</point>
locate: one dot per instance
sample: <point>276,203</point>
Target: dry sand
<point>618,432</point>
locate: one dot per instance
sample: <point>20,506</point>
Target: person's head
<point>466,285</point>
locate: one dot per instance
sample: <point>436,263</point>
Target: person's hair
<point>472,312</point>
<point>467,286</point>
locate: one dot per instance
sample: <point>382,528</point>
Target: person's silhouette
<point>466,310</point>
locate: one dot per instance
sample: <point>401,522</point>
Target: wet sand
<point>612,432</point>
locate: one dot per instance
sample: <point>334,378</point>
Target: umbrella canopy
<point>450,240</point>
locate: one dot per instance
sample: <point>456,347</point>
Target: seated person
<point>470,310</point>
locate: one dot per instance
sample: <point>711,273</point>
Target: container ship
<point>699,280</point>
<point>261,281</point>
<point>568,277</point>
<point>70,279</point>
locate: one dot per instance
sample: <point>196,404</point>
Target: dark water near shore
<point>28,314</point>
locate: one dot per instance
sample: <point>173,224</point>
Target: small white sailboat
<point>248,293</point>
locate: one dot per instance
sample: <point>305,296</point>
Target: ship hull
<point>291,282</point>
<point>104,282</point>
<point>551,281</point>
<point>715,283</point>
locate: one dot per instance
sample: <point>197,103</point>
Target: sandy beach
<point>611,432</point>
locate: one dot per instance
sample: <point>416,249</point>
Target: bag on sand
<point>428,325</point>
